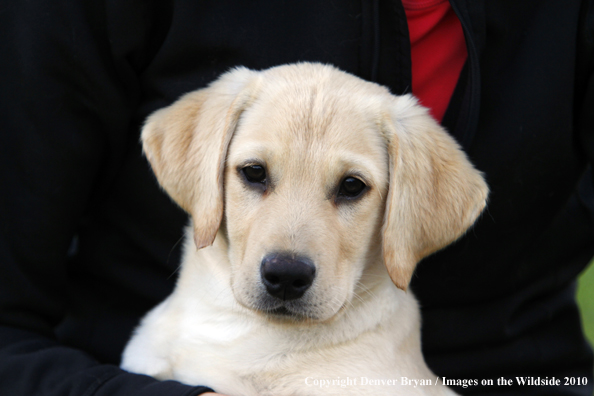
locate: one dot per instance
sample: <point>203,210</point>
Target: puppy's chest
<point>261,364</point>
<point>297,375</point>
<point>246,366</point>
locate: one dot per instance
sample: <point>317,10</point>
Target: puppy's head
<point>319,176</point>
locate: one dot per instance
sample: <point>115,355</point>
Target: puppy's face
<point>305,186</point>
<point>320,177</point>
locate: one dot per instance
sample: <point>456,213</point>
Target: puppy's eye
<point>254,173</point>
<point>351,187</point>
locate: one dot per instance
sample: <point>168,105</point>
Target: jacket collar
<point>468,94</point>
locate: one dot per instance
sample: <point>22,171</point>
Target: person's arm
<point>63,108</point>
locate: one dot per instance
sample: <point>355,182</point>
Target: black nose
<point>285,276</point>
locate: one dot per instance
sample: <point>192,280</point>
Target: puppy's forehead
<point>312,122</point>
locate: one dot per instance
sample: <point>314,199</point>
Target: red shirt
<point>438,52</point>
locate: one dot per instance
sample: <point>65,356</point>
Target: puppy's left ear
<point>435,194</point>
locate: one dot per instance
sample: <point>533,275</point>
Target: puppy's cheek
<point>328,312</point>
<point>329,297</point>
<point>237,233</point>
<point>245,290</point>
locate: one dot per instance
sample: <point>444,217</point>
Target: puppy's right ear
<point>186,145</point>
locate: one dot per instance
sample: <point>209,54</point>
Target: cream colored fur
<point>311,126</point>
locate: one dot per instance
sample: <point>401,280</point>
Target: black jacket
<point>89,243</point>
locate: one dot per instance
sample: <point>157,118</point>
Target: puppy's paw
<point>137,358</point>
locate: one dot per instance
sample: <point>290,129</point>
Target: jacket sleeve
<point>64,109</point>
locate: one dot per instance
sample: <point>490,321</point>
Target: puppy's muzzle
<point>285,276</point>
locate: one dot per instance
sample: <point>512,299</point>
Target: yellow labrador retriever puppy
<point>313,194</point>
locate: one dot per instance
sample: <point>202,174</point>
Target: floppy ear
<point>186,145</point>
<point>435,194</point>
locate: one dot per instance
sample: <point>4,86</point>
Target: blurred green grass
<point>585,298</point>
